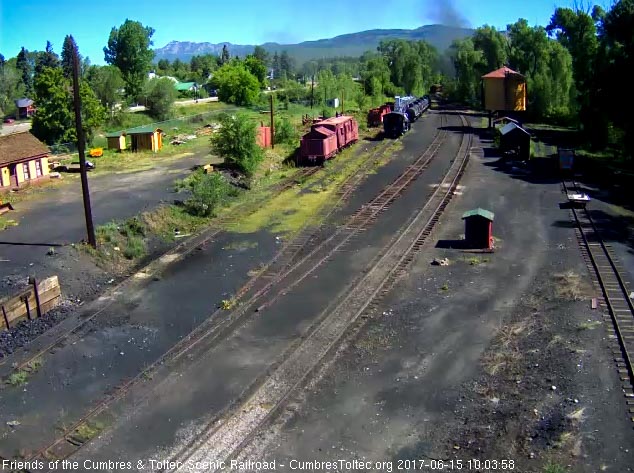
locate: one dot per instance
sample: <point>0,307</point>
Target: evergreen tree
<point>23,65</point>
<point>224,57</point>
<point>68,50</point>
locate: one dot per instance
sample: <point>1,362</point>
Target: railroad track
<point>224,438</point>
<point>615,291</point>
<point>214,327</point>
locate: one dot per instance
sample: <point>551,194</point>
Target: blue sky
<point>30,23</point>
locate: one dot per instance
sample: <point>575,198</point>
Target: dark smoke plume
<point>445,13</point>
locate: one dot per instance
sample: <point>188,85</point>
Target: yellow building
<point>117,140</point>
<point>504,90</point>
<point>146,138</point>
<point>23,160</point>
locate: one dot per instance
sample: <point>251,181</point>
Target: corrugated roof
<point>23,102</point>
<point>479,212</point>
<point>142,130</point>
<point>501,73</point>
<point>115,134</point>
<point>181,86</point>
<point>18,146</point>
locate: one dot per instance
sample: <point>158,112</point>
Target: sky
<point>30,23</point>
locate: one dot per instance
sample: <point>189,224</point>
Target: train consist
<point>375,115</point>
<point>326,138</point>
<point>406,111</point>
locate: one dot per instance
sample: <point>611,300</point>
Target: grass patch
<point>241,245</point>
<point>444,287</point>
<point>506,353</point>
<point>7,223</point>
<point>554,468</point>
<point>588,325</point>
<point>287,213</point>
<point>228,304</point>
<point>120,241</point>
<point>18,378</point>
<point>88,430</point>
<point>476,261</point>
<point>164,220</point>
<point>569,286</point>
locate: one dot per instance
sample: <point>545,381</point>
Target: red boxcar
<point>318,144</point>
<point>326,137</point>
<point>375,115</point>
<point>345,127</point>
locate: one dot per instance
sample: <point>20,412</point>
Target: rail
<point>614,289</point>
<point>224,439</point>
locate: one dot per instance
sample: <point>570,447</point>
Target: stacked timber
<point>37,300</point>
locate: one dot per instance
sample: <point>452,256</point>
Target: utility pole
<point>343,109</point>
<point>90,229</point>
<point>272,123</point>
<point>312,92</point>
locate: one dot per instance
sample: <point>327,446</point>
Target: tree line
<point>576,69</point>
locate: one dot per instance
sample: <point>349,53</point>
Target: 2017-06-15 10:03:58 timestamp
<point>449,465</point>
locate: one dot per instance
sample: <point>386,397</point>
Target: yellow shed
<point>117,140</point>
<point>146,138</point>
<point>504,89</point>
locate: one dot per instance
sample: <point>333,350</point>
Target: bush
<point>209,191</point>
<point>285,132</point>
<point>160,98</point>
<point>236,143</point>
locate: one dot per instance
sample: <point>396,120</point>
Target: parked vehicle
<point>326,138</point>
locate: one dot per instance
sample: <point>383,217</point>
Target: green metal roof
<point>142,130</point>
<point>481,212</point>
<point>182,86</point>
<point>115,134</point>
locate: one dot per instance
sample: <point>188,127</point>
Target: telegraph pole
<point>90,229</point>
<point>312,92</point>
<point>272,122</point>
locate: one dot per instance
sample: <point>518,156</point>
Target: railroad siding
<point>396,391</point>
<point>216,380</point>
<point>140,329</point>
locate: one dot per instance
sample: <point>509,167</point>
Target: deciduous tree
<point>129,49</point>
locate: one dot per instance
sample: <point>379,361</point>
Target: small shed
<point>146,138</point>
<point>478,228</point>
<point>117,140</point>
<point>515,139</point>
<point>263,136</point>
<point>25,107</point>
<point>504,89</point>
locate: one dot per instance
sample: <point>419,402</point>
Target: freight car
<point>395,124</point>
<point>375,115</point>
<point>326,138</point>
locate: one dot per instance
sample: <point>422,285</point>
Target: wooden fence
<point>37,300</point>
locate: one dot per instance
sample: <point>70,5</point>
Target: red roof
<point>323,130</point>
<point>336,120</point>
<point>501,73</point>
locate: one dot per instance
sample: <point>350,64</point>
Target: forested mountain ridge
<point>352,44</point>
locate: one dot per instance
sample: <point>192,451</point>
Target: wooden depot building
<point>23,160</point>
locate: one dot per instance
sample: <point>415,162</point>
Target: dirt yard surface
<point>493,357</point>
<point>239,361</point>
<point>139,326</point>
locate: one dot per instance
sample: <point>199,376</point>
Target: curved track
<point>280,268</point>
<point>224,438</point>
